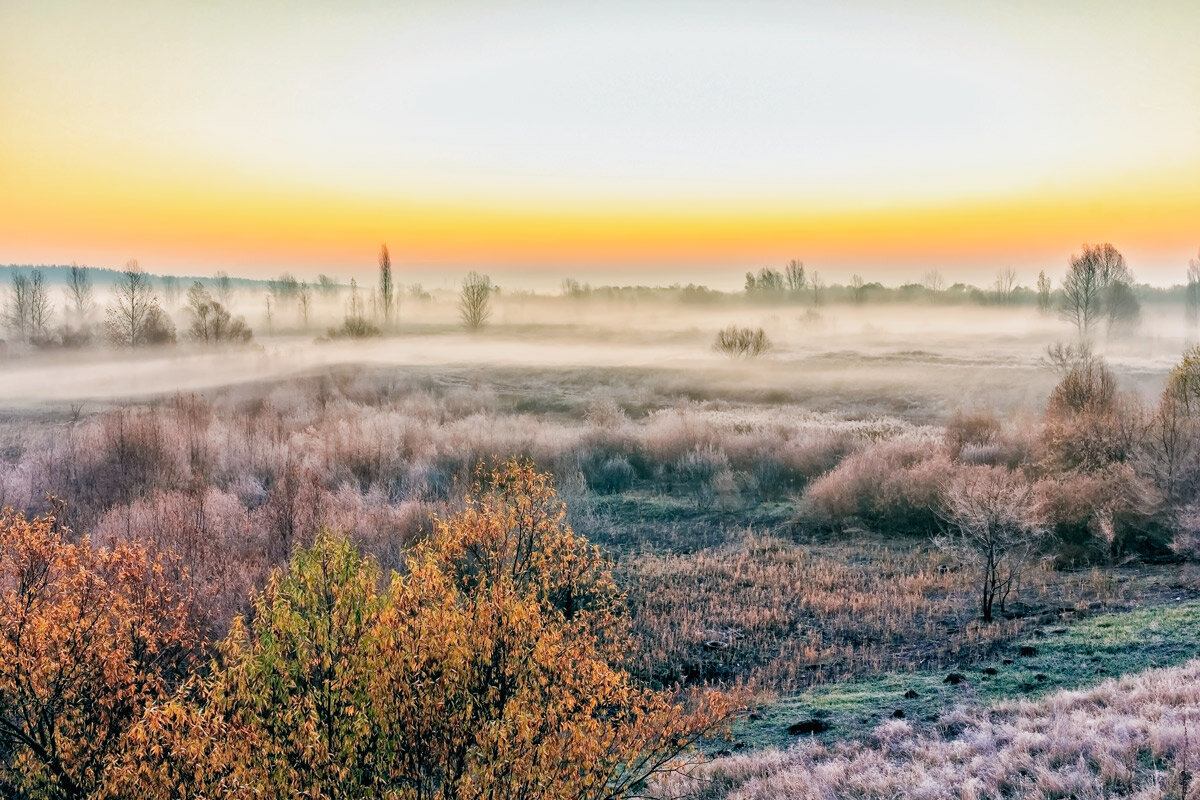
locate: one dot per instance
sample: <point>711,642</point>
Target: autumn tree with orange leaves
<point>491,668</point>
<point>89,639</point>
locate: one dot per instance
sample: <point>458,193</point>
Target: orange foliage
<point>489,668</point>
<point>89,638</point>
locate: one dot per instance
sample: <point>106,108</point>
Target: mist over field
<point>808,538</point>
<point>407,400</point>
<point>924,359</point>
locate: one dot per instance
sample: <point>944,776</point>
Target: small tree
<point>387,289</point>
<point>858,289</point>
<point>993,530</point>
<point>1098,286</point>
<point>224,288</point>
<point>1173,436</point>
<point>1082,293</point>
<point>40,309</point>
<point>794,275</point>
<point>134,315</point>
<point>1193,290</point>
<point>769,282</point>
<point>89,640</point>
<point>818,288</point>
<point>1005,285</point>
<point>304,298</point>
<point>933,282</point>
<point>170,288</point>
<point>355,324</point>
<point>1044,285</point>
<point>80,293</point>
<point>211,322</point>
<point>475,300</point>
<point>283,289</point>
<point>326,285</point>
<point>16,310</point>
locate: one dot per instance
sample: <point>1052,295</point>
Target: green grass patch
<point>645,519</point>
<point>1063,657</point>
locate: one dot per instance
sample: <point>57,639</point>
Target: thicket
<point>1103,477</point>
<point>490,665</point>
<point>234,482</point>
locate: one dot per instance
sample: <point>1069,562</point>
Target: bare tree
<point>355,325</point>
<point>170,287</point>
<point>40,309</point>
<point>1099,286</point>
<point>284,287</point>
<point>1193,290</point>
<point>1109,263</point>
<point>211,322</point>
<point>304,296</point>
<point>1083,292</point>
<point>1006,284</point>
<point>818,288</point>
<point>16,310</point>
<point>933,281</point>
<point>858,288</point>
<point>1121,306</point>
<point>134,315</point>
<point>992,530</point>
<point>475,300</point>
<point>793,274</point>
<point>387,289</point>
<point>1043,292</point>
<point>224,287</point>
<point>80,293</point>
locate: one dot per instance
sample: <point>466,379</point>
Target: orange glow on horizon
<point>193,219</point>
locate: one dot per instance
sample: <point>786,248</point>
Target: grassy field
<point>1065,657</point>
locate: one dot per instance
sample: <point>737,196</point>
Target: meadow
<point>782,525</point>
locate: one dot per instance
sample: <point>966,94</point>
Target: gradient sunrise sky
<point>703,137</point>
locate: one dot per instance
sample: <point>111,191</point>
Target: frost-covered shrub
<point>608,474</point>
<point>892,487</point>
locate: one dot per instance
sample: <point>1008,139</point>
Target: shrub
<point>698,469</point>
<point>488,669</point>
<point>737,342</point>
<point>606,414</point>
<point>1103,515</point>
<point>893,487</point>
<point>90,639</point>
<point>1088,423</point>
<point>354,327</point>
<point>975,430</point>
<point>1086,385</point>
<point>608,474</point>
<point>211,321</point>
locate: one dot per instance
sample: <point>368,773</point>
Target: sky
<point>690,141</point>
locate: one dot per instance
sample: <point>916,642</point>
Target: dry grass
<point>1135,737</point>
<point>788,616</point>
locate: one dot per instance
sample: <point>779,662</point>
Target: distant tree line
<point>133,317</point>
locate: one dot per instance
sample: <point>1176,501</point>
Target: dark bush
<point>608,474</point>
